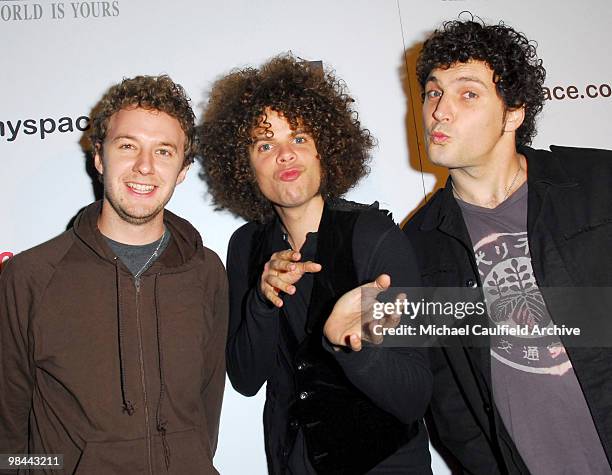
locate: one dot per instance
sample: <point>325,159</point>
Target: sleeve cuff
<point>260,305</point>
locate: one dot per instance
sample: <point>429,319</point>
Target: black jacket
<point>260,350</point>
<point>569,225</point>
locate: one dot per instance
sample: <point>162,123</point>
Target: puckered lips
<point>140,189</point>
<point>438,137</point>
<point>289,174</point>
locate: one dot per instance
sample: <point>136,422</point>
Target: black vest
<point>345,432</point>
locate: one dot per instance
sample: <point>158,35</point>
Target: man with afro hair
<point>280,145</point>
<point>517,222</point>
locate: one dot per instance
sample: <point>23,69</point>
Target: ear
<point>98,163</point>
<point>514,119</point>
<point>182,174</point>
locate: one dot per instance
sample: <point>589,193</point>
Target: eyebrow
<point>263,138</point>
<point>131,137</point>
<point>260,138</point>
<point>168,144</point>
<point>122,137</point>
<point>459,79</point>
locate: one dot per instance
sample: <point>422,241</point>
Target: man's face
<point>141,162</point>
<point>464,116</point>
<point>287,166</point>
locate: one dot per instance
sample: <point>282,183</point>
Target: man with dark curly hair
<point>280,145</point>
<point>112,335</point>
<point>517,222</point>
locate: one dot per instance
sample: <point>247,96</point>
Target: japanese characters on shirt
<point>513,298</point>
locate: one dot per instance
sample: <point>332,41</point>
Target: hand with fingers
<point>281,272</point>
<point>352,320</point>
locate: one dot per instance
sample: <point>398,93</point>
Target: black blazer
<point>569,225</point>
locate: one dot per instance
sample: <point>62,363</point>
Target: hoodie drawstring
<point>128,406</point>
<point>161,423</point>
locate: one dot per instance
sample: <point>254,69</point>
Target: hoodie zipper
<point>142,376</point>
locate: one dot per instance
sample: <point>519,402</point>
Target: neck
<point>490,184</point>
<point>301,220</point>
<point>114,227</point>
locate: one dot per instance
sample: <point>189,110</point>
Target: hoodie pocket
<point>106,458</point>
<point>186,454</point>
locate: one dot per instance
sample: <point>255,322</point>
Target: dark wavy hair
<point>306,95</point>
<point>149,92</point>
<point>518,73</point>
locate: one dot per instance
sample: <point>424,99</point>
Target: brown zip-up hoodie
<point>120,376</point>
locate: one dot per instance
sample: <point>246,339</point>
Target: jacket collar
<point>543,168</point>
<point>443,211</point>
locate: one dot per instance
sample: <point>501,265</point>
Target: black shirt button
<point>487,408</point>
<point>304,395</point>
<point>294,424</point>
<point>470,283</point>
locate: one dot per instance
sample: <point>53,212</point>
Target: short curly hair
<point>518,73</point>
<point>307,96</point>
<point>149,92</point>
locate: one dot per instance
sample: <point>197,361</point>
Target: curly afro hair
<point>518,73</point>
<point>308,97</point>
<point>149,92</point>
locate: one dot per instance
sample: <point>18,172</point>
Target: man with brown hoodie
<point>112,335</point>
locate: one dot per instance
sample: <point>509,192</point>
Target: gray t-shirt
<point>139,258</point>
<point>534,385</point>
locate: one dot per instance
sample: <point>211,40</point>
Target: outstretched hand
<point>281,272</point>
<point>351,319</point>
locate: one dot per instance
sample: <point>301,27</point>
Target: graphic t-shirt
<point>534,385</point>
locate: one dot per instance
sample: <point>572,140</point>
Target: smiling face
<point>286,164</point>
<point>466,122</point>
<point>141,162</point>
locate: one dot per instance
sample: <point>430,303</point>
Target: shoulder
<point>375,232</point>
<point>240,242</point>
<point>588,167</point>
<point>580,153</point>
<point>412,227</point>
<point>45,255</point>
<point>245,233</point>
<point>365,214</point>
<point>35,266</point>
<point>373,222</point>
<point>576,161</point>
<point>584,161</point>
<point>212,260</point>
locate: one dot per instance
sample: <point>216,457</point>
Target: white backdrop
<point>59,57</point>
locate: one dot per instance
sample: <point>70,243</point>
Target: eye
<point>433,94</point>
<point>300,139</point>
<point>264,147</point>
<point>164,152</point>
<point>470,95</point>
<point>126,146</point>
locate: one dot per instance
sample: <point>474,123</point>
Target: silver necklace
<point>154,255</point>
<point>507,189</point>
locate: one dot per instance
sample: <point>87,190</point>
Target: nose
<point>285,153</point>
<point>144,162</point>
<point>443,110</point>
